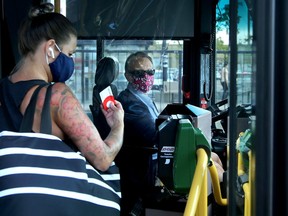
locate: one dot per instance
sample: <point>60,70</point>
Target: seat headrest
<point>107,71</point>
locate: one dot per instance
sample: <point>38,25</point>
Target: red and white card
<point>107,97</point>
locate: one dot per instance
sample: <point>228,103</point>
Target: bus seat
<point>106,72</point>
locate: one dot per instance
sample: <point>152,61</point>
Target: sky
<point>224,35</point>
<point>242,26</point>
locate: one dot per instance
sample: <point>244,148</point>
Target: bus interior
<point>189,42</point>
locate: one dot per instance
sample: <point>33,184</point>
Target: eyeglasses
<point>141,73</point>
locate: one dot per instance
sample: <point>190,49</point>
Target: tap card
<point>107,97</point>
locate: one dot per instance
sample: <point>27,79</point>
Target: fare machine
<point>184,150</point>
<point>182,129</point>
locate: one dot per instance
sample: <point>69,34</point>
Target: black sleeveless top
<point>11,96</point>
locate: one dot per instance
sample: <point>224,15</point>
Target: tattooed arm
<point>70,120</point>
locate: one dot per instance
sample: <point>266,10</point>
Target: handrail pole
<point>216,186</point>
<point>197,182</point>
<point>202,208</point>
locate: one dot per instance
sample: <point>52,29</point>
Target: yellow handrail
<point>194,198</point>
<point>203,201</point>
<point>216,186</point>
<point>246,185</point>
<point>247,190</point>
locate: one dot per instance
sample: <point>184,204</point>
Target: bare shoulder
<point>60,92</point>
<point>64,102</point>
<point>61,89</point>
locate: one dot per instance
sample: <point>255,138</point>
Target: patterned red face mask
<point>143,84</point>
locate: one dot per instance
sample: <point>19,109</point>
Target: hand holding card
<point>107,97</point>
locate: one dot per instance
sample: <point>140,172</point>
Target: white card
<point>107,97</point>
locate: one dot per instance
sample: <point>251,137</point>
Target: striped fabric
<point>40,175</point>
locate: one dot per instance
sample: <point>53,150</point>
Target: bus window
<point>82,80</point>
<point>245,53</point>
<point>167,57</point>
